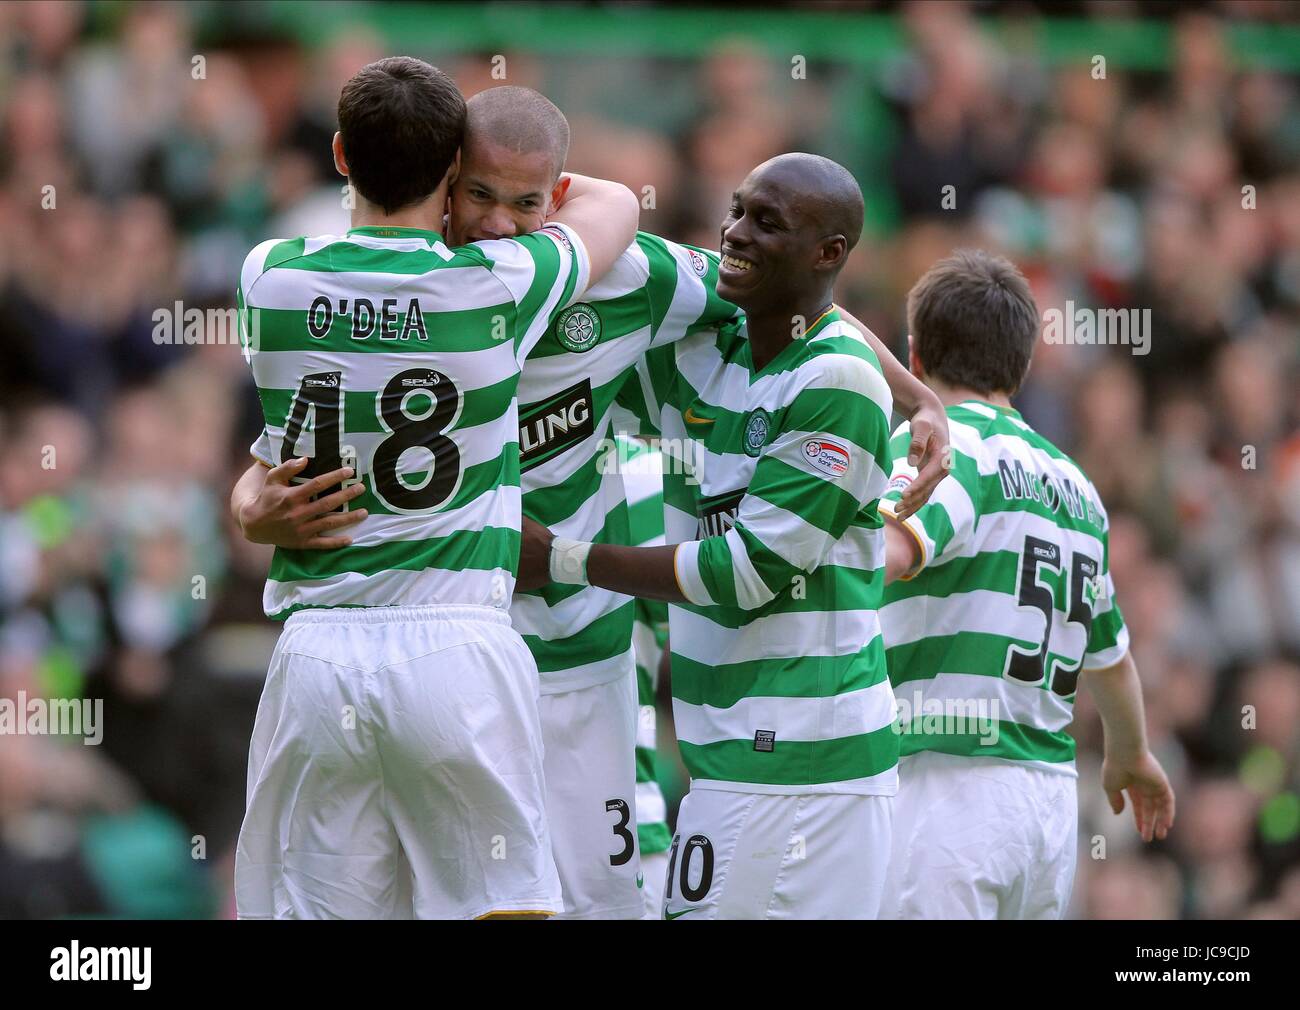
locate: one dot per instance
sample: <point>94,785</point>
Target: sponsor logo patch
<point>559,236</point>
<point>718,514</point>
<point>578,327</point>
<point>423,381</point>
<point>327,380</point>
<point>898,482</point>
<point>549,427</point>
<point>765,740</point>
<point>827,456</point>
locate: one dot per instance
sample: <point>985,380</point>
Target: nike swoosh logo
<point>693,418</point>
<point>677,915</point>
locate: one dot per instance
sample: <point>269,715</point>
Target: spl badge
<point>578,327</point>
<point>757,427</point>
<point>827,456</point>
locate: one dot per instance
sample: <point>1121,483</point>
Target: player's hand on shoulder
<point>1148,788</point>
<point>930,452</point>
<point>534,556</point>
<point>285,515</point>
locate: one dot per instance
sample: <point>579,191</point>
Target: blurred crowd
<point>137,168</point>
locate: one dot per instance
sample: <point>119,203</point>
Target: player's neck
<point>427,215</point>
<point>770,332</point>
<point>953,395</point>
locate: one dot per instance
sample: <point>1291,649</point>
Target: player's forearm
<point>580,187</point>
<point>604,215</point>
<point>908,391</point>
<point>246,489</point>
<point>1117,693</point>
<point>901,550</point>
<point>647,572</point>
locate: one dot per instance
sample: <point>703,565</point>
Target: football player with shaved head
<point>776,437</point>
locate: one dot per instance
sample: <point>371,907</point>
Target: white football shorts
<point>395,771</point>
<point>767,856</point>
<point>654,868</point>
<point>981,838</point>
<point>590,737</point>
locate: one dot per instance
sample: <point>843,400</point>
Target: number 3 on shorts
<point>621,831</point>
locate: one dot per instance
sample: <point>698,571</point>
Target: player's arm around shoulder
<point>269,508</point>
<point>823,466</point>
<point>930,449</point>
<point>842,399</point>
<point>943,524</point>
<point>603,216</point>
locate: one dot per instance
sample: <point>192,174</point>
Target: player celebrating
<point>775,435</point>
<point>380,783</point>
<point>1005,600</point>
<point>656,293</point>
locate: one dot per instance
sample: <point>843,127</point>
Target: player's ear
<point>832,253</point>
<point>558,193</point>
<point>914,362</point>
<point>340,161</point>
<point>453,170</point>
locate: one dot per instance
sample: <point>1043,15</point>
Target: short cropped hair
<point>521,120</point>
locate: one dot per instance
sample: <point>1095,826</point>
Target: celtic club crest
<point>578,327</point>
<point>757,426</point>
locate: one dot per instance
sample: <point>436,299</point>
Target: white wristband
<point>568,561</point>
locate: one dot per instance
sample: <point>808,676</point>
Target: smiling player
<point>781,702</point>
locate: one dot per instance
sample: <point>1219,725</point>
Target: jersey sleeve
<point>823,467</point>
<point>648,386</point>
<point>261,450</point>
<point>262,256</point>
<point>543,272</point>
<point>1108,636</point>
<point>683,289</point>
<point>255,264</point>
<point>944,524</point>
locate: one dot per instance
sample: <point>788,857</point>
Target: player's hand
<point>283,513</point>
<point>929,452</point>
<point>1149,792</point>
<point>534,556</point>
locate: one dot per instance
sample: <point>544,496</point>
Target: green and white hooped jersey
<point>656,293</point>
<point>771,483</point>
<point>386,350</point>
<point>1012,599</point>
<point>643,477</point>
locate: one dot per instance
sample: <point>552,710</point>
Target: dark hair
<point>402,122</point>
<point>974,322</point>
